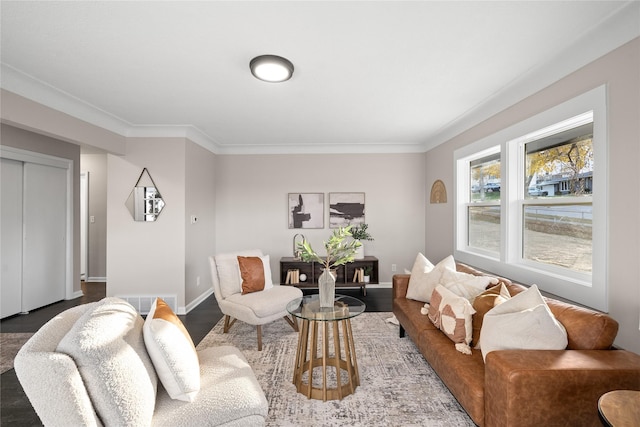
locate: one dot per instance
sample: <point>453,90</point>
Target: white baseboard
<point>77,294</point>
<point>96,279</point>
<point>193,304</point>
<point>383,285</point>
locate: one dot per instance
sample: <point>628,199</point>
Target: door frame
<point>46,159</point>
<point>84,225</point>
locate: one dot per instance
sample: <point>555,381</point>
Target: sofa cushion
<point>462,374</point>
<point>523,322</point>
<point>230,394</point>
<point>452,315</point>
<point>483,303</point>
<point>268,302</point>
<point>107,345</point>
<point>425,277</point>
<point>465,285</point>
<point>172,352</point>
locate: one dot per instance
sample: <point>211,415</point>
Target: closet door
<point>44,245</point>
<point>11,232</point>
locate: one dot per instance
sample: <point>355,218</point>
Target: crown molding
<point>189,132</point>
<point>20,83</point>
<point>356,148</point>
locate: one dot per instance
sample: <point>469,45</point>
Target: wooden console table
<point>348,276</point>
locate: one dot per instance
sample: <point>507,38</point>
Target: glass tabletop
<point>308,307</point>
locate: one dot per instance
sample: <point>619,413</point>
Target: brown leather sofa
<point>526,387</point>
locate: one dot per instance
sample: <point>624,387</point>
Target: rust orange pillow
<point>482,304</point>
<point>252,274</point>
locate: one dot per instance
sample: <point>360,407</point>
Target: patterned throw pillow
<point>172,352</point>
<point>425,277</point>
<point>452,315</point>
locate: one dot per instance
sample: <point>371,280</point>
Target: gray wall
<point>200,237</point>
<point>619,70</point>
<point>252,205</point>
<point>147,258</point>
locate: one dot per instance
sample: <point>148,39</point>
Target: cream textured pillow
<point>425,277</point>
<point>266,264</point>
<point>523,322</point>
<point>172,352</point>
<point>452,315</point>
<point>466,285</point>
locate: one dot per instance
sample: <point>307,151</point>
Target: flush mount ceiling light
<point>271,68</point>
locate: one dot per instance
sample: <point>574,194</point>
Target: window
<point>531,201</point>
<point>557,205</point>
<point>483,208</point>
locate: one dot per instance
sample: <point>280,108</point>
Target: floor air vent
<point>142,303</point>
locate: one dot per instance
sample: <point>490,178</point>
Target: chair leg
<point>259,328</point>
<point>228,323</point>
<point>292,321</point>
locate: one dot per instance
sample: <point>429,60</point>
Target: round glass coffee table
<point>324,351</point>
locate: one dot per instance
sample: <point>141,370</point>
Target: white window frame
<point>464,236</point>
<point>583,288</point>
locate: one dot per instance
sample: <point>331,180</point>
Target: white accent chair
<point>110,379</point>
<point>256,308</point>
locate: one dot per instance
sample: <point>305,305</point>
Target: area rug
<point>10,343</point>
<point>397,386</point>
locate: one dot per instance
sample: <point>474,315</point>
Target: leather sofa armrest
<point>551,387</point>
<point>400,284</point>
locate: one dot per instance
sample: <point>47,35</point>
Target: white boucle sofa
<point>62,389</point>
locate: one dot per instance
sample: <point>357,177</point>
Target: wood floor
<point>15,409</point>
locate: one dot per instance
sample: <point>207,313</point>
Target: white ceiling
<point>369,76</point>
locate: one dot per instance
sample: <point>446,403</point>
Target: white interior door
<point>44,244</point>
<point>11,242</point>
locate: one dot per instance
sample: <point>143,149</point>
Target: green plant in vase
<point>367,273</point>
<point>361,234</point>
<point>340,250</point>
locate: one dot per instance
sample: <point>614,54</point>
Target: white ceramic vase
<point>327,289</point>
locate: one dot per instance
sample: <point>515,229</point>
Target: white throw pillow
<point>268,281</point>
<point>522,322</point>
<point>452,314</point>
<point>466,285</point>
<point>172,352</point>
<point>425,277</point>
